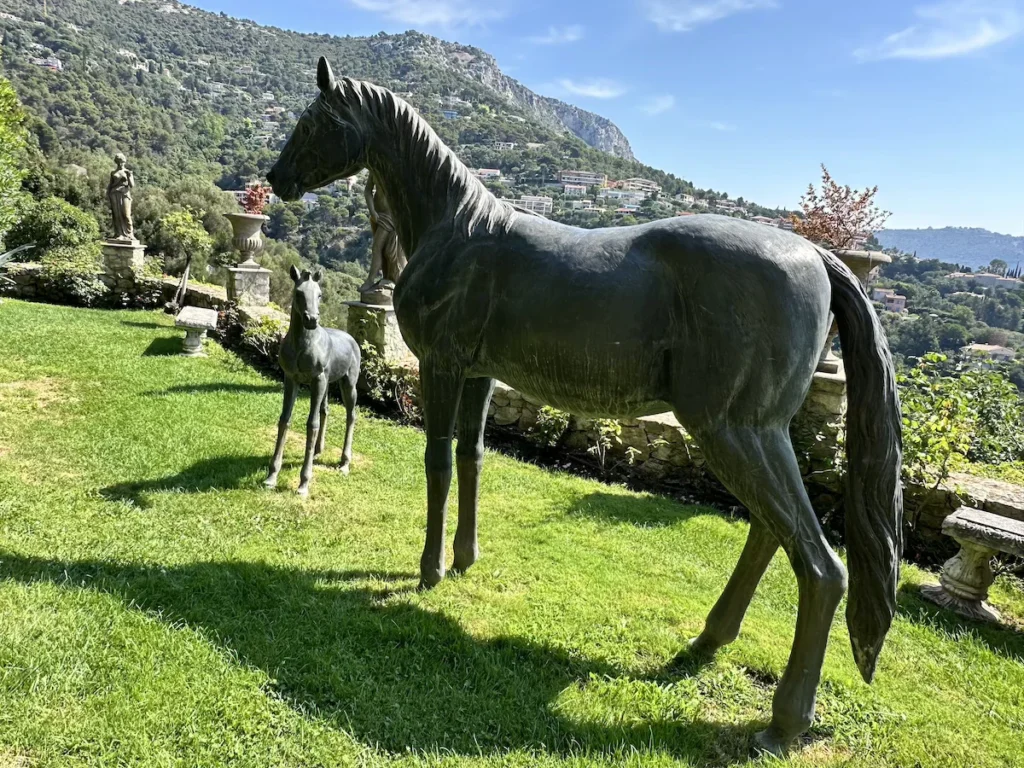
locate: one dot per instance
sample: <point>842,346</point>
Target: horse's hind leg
<point>724,621</point>
<point>282,431</point>
<point>348,396</point>
<point>759,467</point>
<point>469,455</point>
<point>321,437</point>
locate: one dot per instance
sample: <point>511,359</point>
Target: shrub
<point>73,271</point>
<point>389,384</point>
<point>550,427</point>
<point>264,338</point>
<point>52,224</point>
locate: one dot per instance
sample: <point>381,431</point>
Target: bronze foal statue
<point>719,319</point>
<point>317,356</point>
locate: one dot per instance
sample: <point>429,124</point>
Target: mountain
<point>967,246</point>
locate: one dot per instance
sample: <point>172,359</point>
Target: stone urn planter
<point>247,236</point>
<point>248,283</point>
<point>861,263</point>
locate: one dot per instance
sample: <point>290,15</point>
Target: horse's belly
<point>615,382</point>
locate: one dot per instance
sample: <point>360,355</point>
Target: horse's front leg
<point>348,396</point>
<point>442,388</point>
<point>469,453</point>
<point>318,390</point>
<point>321,435</point>
<point>282,431</point>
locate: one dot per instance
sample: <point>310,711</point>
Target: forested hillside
<point>966,246</point>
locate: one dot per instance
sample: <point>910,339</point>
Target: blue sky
<point>925,99</point>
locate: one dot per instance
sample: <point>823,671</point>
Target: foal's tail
<point>874,451</point>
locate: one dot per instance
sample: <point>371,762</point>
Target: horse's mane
<point>470,204</point>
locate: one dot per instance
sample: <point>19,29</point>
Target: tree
<point>181,234</point>
<point>12,143</point>
<point>997,267</point>
<point>52,223</point>
<point>838,216</point>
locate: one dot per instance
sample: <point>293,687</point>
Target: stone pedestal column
<point>861,263</point>
<point>816,429</point>
<point>122,264</point>
<point>249,286</point>
<point>193,346</point>
<point>376,325</point>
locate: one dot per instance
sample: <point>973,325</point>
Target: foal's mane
<point>470,204</point>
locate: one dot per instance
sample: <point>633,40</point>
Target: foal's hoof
<point>344,468</point>
<point>270,482</point>
<point>431,578</point>
<point>303,491</point>
<point>702,646</point>
<point>463,560</point>
<point>770,741</point>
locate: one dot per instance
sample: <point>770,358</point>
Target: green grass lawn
<point>158,607</point>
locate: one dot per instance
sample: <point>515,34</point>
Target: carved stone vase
<point>861,263</point>
<point>248,283</point>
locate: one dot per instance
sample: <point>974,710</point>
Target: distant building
<point>586,178</point>
<point>622,195</point>
<point>309,201</point>
<point>987,354</point>
<point>536,203</point>
<point>728,206</point>
<point>581,205</point>
<point>685,213</point>
<point>450,114</point>
<point>574,190</point>
<point>892,301</point>
<point>50,62</point>
<point>765,220</point>
<point>267,96</point>
<point>987,280</point>
<point>700,202</point>
<point>627,208</point>
<point>686,199</point>
<point>786,223</point>
<point>503,146</point>
<point>640,185</point>
<point>488,174</point>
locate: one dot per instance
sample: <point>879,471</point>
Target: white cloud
<point>719,126</point>
<point>595,89</point>
<point>443,13</point>
<point>954,28</point>
<point>558,35</point>
<point>660,104</point>
<point>685,15</point>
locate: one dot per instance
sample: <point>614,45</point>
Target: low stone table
<point>196,322</point>
<point>966,577</point>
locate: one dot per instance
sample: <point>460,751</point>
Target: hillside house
<point>890,300</point>
<point>987,355</point>
<point>450,114</point>
<point>988,280</point>
<point>574,190</point>
<point>503,146</point>
<point>487,174</point>
<point>639,185</point>
<point>586,178</point>
<point>686,199</point>
<point>49,62</point>
<point>625,196</point>
<point>536,203</point>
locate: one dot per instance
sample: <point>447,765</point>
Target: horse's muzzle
<point>309,322</point>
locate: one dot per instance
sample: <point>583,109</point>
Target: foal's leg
<point>469,455</point>
<point>321,436</point>
<point>759,467</point>
<point>348,396</point>
<point>282,431</point>
<point>723,623</point>
<point>318,391</point>
<point>441,391</point>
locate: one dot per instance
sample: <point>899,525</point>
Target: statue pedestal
<point>122,264</point>
<point>376,325</point>
<point>249,285</point>
<point>816,429</point>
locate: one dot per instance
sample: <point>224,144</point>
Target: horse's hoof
<point>303,491</point>
<point>464,560</point>
<point>344,469</point>
<point>702,646</point>
<point>431,578</point>
<point>270,482</point>
<point>771,742</point>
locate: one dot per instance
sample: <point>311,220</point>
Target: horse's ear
<point>325,77</point>
<point>317,274</point>
<point>294,272</point>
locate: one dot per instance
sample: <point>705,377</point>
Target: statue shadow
<point>644,511</point>
<point>393,675</point>
<point>216,386</point>
<point>220,473</point>
<point>165,346</point>
<point>999,638</point>
<point>147,324</point>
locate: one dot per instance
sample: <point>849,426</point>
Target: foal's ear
<point>294,272</point>
<point>317,274</point>
<point>324,76</point>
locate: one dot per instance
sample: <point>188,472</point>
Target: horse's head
<point>306,297</point>
<point>326,144</point>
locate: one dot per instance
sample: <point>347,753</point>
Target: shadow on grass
<point>648,512</point>
<point>164,346</point>
<point>221,473</point>
<point>391,674</point>
<point>147,324</point>
<point>1001,639</point>
<point>215,386</point>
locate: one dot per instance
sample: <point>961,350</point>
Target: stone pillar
<point>193,346</point>
<point>376,325</point>
<point>249,286</point>
<point>122,264</point>
<point>816,429</point>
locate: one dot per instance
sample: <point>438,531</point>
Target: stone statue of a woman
<point>387,259</point>
<point>119,195</point>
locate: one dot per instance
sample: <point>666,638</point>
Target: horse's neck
<point>301,337</point>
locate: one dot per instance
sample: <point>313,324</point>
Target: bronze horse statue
<point>316,356</point>
<point>719,319</point>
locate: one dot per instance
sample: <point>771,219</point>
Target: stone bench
<point>966,577</point>
<point>196,321</point>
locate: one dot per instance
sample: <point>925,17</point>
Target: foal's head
<point>306,297</point>
<point>327,143</point>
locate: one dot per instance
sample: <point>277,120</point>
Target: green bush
<point>74,272</point>
<point>550,427</point>
<point>52,224</point>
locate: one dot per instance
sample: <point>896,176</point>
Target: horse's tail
<point>874,451</point>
